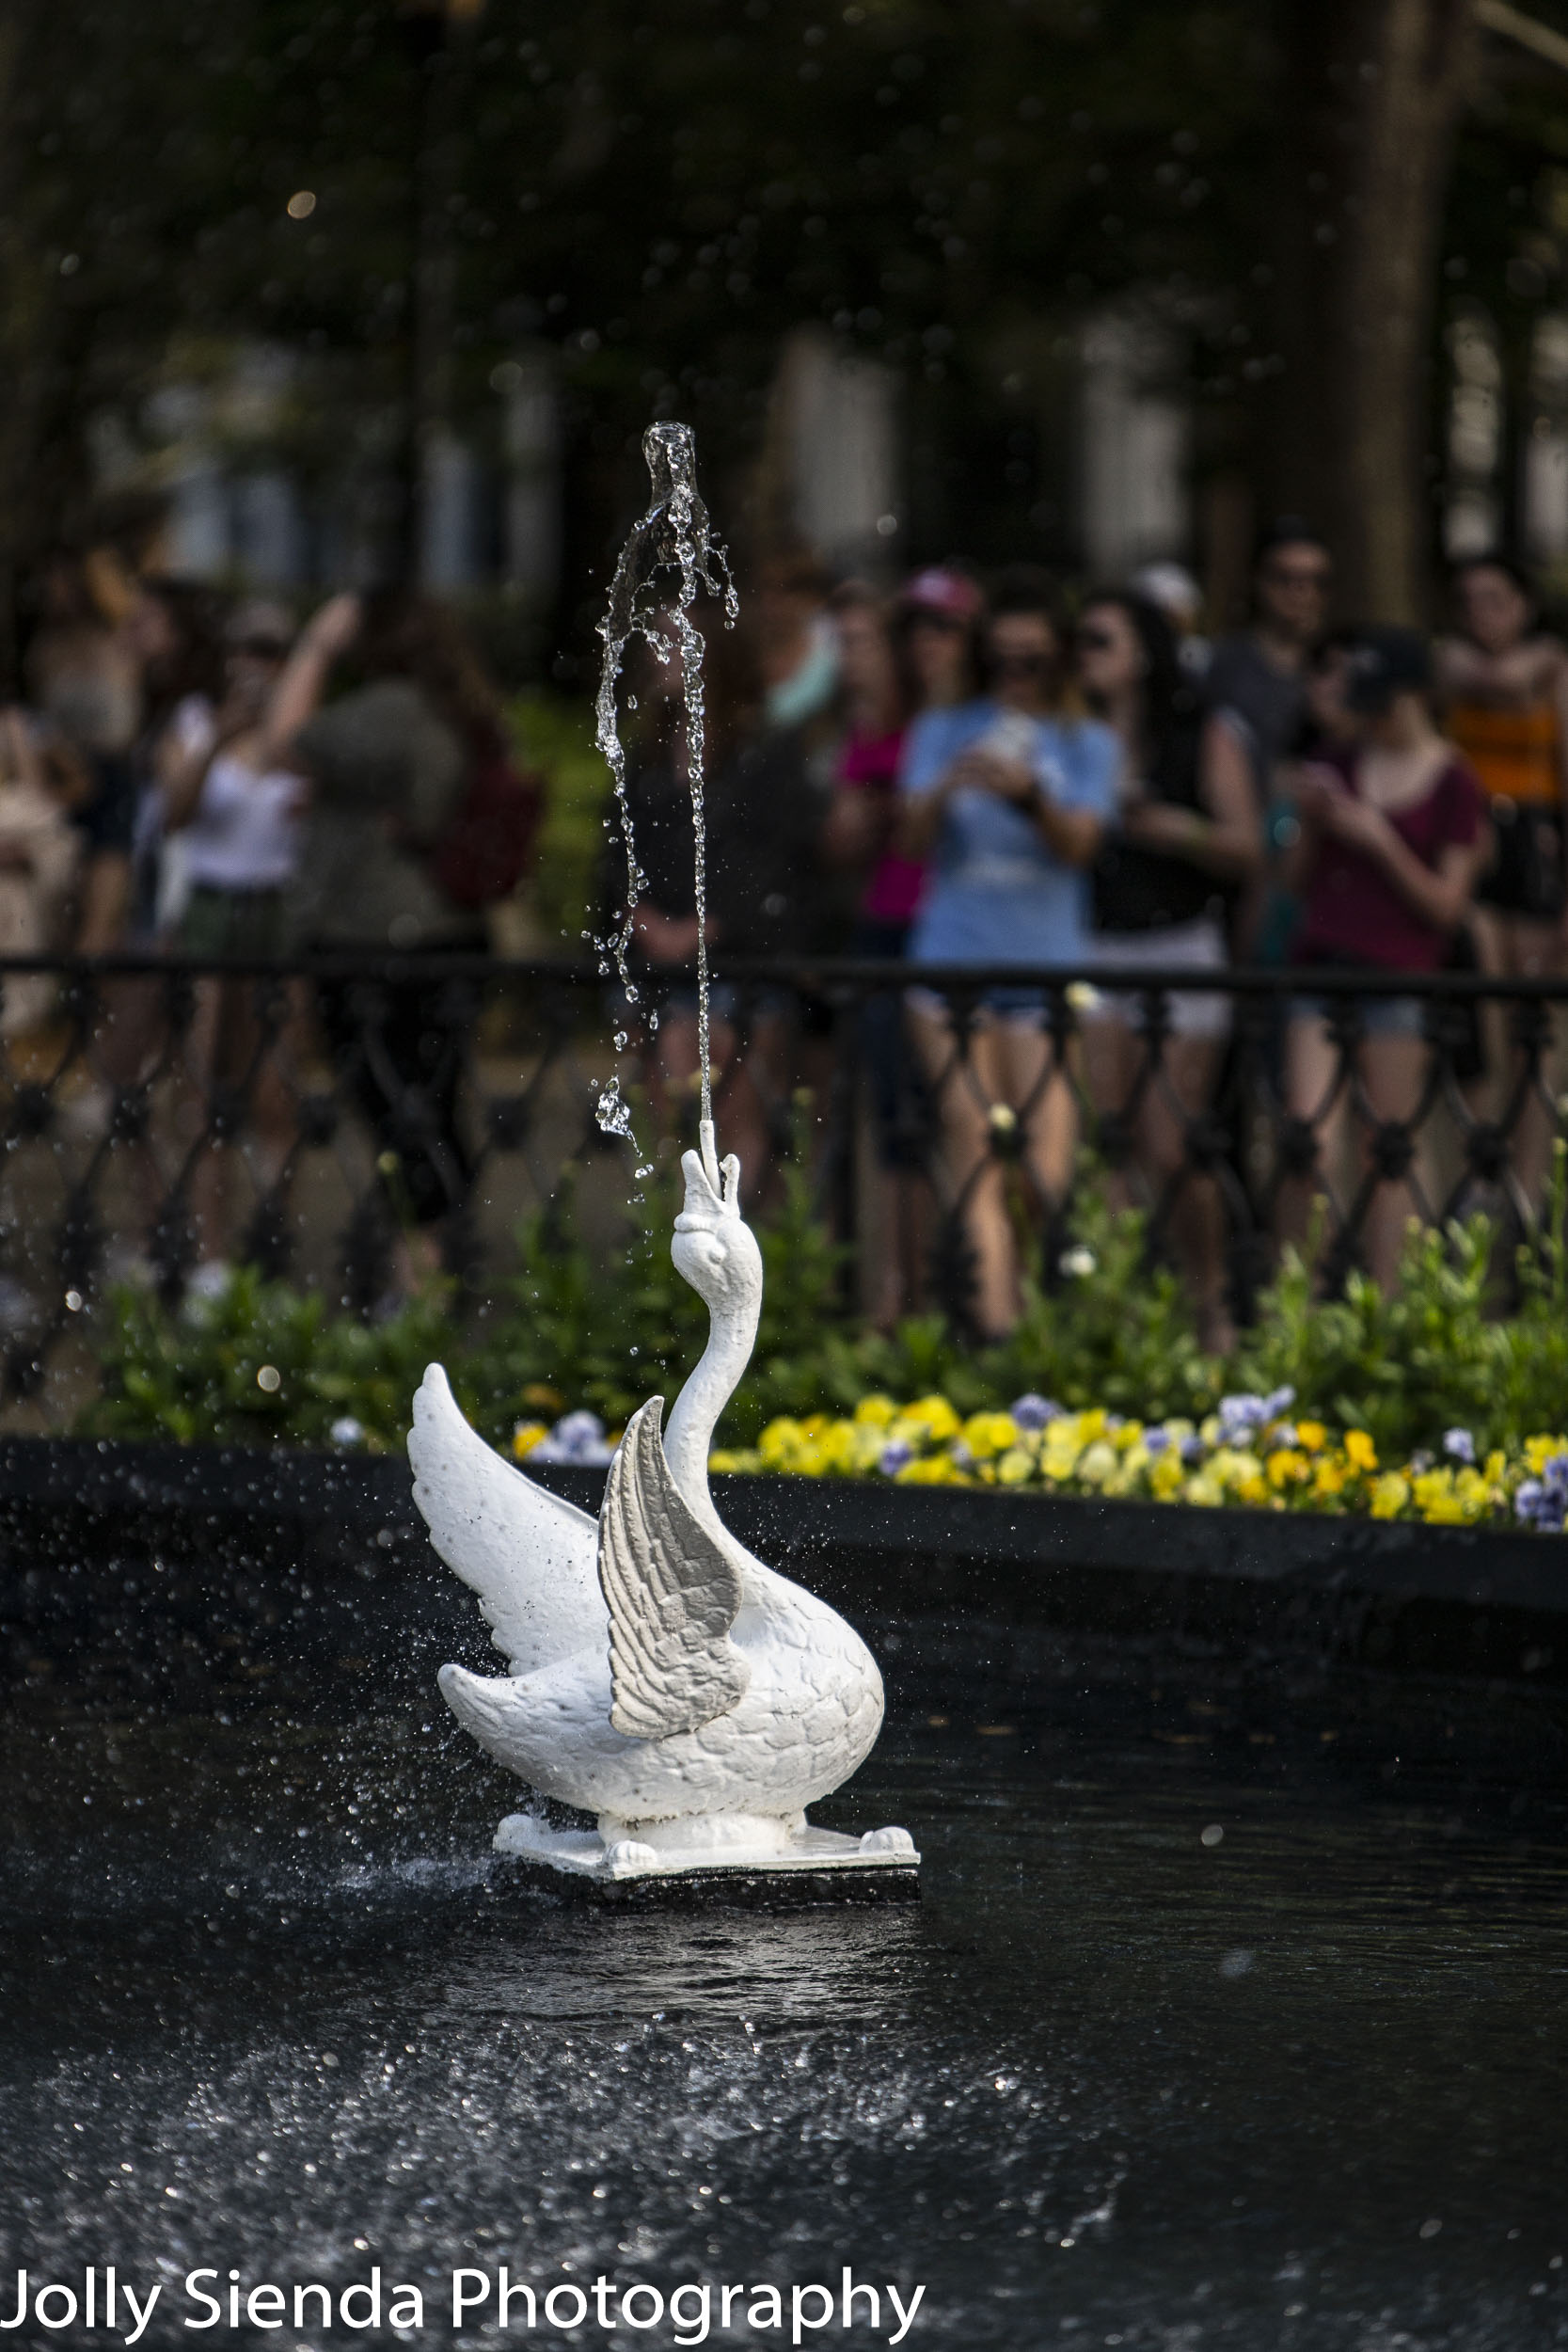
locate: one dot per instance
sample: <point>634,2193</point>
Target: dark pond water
<point>1117,2081</point>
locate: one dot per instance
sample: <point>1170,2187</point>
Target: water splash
<point>674,535</point>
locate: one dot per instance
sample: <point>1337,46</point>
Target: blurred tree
<point>1363,149</point>
<point>659,194</point>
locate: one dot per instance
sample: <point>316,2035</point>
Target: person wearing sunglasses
<point>1187,839</point>
<point>1010,797</point>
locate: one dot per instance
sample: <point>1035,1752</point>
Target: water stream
<point>674,536</point>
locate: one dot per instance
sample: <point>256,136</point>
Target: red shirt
<point>1354,914</point>
<point>893,891</point>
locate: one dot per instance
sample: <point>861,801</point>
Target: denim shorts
<point>1378,1016</point>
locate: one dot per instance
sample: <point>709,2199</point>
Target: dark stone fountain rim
<point>1003,1540</point>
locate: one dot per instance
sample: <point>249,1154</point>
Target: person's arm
<point>1072,835</point>
<point>1072,822</point>
<point>921,813</point>
<point>1223,836</point>
<point>181,769</point>
<point>1316,789</point>
<point>1439,895</point>
<point>926,783</point>
<point>856,826</point>
<point>301,683</point>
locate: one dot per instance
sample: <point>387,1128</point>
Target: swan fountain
<point>661,1676</point>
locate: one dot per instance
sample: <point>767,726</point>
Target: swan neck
<point>695,1416</point>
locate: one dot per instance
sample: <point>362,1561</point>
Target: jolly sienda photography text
<point>103,2300</point>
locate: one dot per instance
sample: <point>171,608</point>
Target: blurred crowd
<point>958,774</point>
<point>969,774</point>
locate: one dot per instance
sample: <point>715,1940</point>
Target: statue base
<point>718,1851</point>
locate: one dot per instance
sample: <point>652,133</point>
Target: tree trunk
<point>1373,90</point>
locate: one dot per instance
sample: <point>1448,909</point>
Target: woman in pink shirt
<point>1393,840</point>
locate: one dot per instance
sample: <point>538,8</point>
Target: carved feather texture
<point>671,1593</point>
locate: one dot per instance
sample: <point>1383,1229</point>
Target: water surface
<point>1303,2085</point>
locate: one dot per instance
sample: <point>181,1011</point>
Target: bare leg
<point>1189,1068</point>
<point>1036,1084</point>
<point>1312,1074</point>
<point>1112,1054</point>
<point>1392,1069</point>
<point>1517,946</point>
<point>964,1091</point>
<point>106,895</point>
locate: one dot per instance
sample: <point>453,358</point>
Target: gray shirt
<point>1268,702</point>
<point>386,771</point>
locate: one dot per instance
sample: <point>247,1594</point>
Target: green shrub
<point>206,1372</point>
<point>568,1329</point>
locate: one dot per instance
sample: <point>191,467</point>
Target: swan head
<point>713,1249</point>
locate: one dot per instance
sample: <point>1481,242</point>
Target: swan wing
<point>528,1555</point>
<point>671,1593</point>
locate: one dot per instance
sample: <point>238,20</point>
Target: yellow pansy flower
<point>985,1434</point>
<point>1167,1476</point>
<point>527,1434</point>
<point>1015,1465</point>
<point>935,1416</point>
<point>1097,1463</point>
<point>725,1458</point>
<point>876,1412</point>
<point>933,1469</point>
<point>1287,1467</point>
<point>1390,1494</point>
<point>1311,1435</point>
<point>1360,1453</point>
<point>1437,1499</point>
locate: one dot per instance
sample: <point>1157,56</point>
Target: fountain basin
<point>263,1560</point>
<point>270,2005</point>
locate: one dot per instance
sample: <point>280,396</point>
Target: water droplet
<point>1211,1835</point>
<point>612,1115</point>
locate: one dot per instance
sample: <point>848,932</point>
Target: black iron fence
<point>349,1122</point>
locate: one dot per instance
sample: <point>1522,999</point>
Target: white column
<point>1134,454</point>
<point>841,426</point>
<point>531,439</point>
<point>449,558</point>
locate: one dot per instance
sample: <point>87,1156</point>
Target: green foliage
<point>1405,1366</point>
<point>1436,1352</point>
<point>569,1328</point>
<point>608,1336</point>
<point>567,1331</point>
<point>557,737</point>
<point>202,1373</point>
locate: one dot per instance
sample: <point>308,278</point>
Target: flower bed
<point>1250,1452</point>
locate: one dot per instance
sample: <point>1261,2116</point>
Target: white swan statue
<point>660,1676</point>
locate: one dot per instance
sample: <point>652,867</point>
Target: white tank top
<point>244,834</point>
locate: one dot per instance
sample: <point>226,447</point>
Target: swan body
<point>662,1678</point>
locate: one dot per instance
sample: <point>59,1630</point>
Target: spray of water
<point>676,537</point>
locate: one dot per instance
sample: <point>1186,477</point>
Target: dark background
<point>1305,196</point>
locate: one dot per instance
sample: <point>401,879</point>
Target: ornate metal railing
<point>317,1117</point>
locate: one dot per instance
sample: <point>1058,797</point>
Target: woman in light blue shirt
<point>1010,801</point>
